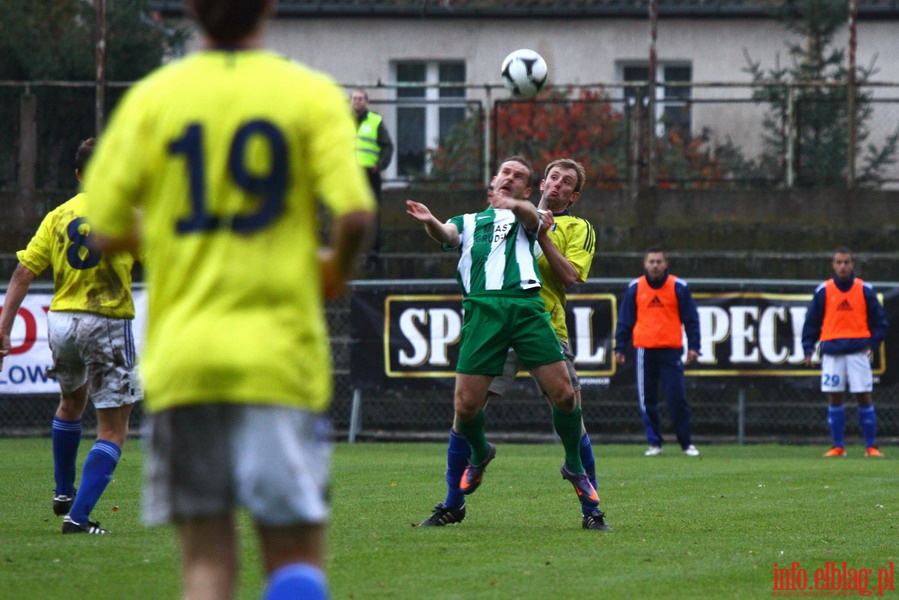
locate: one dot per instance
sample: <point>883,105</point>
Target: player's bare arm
<point>15,294</point>
<point>524,211</point>
<point>561,266</point>
<point>444,233</point>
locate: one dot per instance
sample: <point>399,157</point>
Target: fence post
<point>852,133</point>
<point>653,88</point>
<point>100,77</point>
<point>791,137</point>
<point>355,415</point>
<point>27,156</point>
<point>635,144</point>
<point>487,120</point>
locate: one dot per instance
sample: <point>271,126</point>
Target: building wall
<point>359,52</point>
<point>580,52</point>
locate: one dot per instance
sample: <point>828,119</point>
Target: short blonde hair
<point>568,163</point>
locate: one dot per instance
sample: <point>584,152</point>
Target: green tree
<point>584,125</point>
<point>822,113</point>
<point>585,128</point>
<point>55,40</point>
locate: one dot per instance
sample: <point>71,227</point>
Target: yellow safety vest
<point>367,148</point>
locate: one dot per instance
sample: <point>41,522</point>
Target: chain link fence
<point>720,413</point>
<point>681,135</point>
<point>687,139</point>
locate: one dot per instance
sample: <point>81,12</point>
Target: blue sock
<point>66,436</point>
<point>836,418</point>
<point>297,580</point>
<point>590,467</point>
<point>867,422</point>
<point>98,468</point>
<point>457,455</point>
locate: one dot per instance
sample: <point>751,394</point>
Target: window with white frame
<point>672,101</point>
<point>425,113</point>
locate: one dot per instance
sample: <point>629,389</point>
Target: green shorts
<point>500,384</point>
<point>493,324</point>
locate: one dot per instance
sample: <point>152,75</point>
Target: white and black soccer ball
<point>524,73</point>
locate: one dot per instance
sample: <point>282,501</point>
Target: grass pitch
<point>707,527</point>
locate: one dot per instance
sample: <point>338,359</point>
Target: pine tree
<point>817,75</point>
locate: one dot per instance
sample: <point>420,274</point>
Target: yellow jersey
<point>226,154</point>
<point>83,279</point>
<point>576,240</point>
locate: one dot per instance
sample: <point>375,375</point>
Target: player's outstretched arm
<point>444,233</point>
<point>524,211</point>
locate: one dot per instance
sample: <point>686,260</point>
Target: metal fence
<point>678,135</point>
<point>723,413</point>
<point>710,137</point>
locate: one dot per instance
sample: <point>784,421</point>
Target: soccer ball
<point>524,73</point>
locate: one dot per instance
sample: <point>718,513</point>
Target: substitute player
<point>657,311</point>
<point>226,153</point>
<point>566,247</point>
<point>92,344</point>
<point>849,321</point>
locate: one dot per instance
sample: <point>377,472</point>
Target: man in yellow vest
<point>374,150</point>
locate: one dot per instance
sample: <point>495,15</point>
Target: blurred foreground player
<point>226,153</point>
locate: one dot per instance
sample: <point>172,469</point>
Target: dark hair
<point>227,21</point>
<point>522,161</point>
<point>843,250</point>
<point>654,250</point>
<point>85,149</point>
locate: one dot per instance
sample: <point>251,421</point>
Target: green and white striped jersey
<point>497,254</point>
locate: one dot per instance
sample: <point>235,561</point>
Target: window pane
<point>410,72</point>
<point>634,73</point>
<point>426,116</point>
<point>676,114</point>
<point>682,73</point>
<point>410,120</point>
<point>452,73</point>
<point>679,74</point>
<point>410,141</point>
<point>449,118</point>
